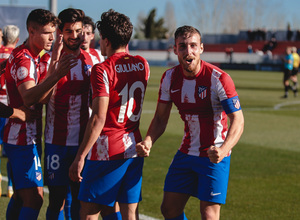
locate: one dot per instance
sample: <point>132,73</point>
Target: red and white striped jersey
<point>123,78</point>
<point>198,100</point>
<point>97,54</point>
<point>22,66</point>
<point>68,107</point>
<point>4,54</point>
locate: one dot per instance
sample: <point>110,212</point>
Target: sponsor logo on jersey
<point>22,73</point>
<point>129,67</point>
<point>236,103</point>
<point>202,90</point>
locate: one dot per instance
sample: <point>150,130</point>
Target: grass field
<point>264,178</point>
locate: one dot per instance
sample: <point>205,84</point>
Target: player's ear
<point>31,30</point>
<point>175,49</point>
<point>201,48</point>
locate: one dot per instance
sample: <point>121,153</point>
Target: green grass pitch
<point>264,177</point>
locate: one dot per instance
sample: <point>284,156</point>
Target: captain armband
<point>231,105</point>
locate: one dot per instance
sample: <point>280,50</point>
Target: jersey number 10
<point>127,98</point>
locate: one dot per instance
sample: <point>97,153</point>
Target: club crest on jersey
<point>202,92</point>
<point>38,176</point>
<point>236,103</point>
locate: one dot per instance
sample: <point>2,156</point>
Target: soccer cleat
<point>10,191</point>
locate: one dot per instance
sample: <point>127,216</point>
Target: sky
<point>288,10</point>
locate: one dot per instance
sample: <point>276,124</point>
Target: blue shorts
<point>57,162</point>
<point>198,177</point>
<point>26,165</point>
<point>2,124</point>
<point>105,182</point>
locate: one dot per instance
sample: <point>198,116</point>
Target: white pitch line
<point>278,106</point>
<point>142,217</point>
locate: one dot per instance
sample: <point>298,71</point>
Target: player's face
<point>72,35</point>
<point>188,50</point>
<point>88,36</point>
<point>43,36</point>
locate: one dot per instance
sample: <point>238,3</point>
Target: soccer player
<point>67,117</point>
<point>88,37</point>
<point>294,77</point>
<point>287,71</point>
<point>10,40</point>
<point>113,172</point>
<point>26,86</point>
<point>205,96</point>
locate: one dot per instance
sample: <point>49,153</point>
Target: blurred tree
<point>150,28</point>
<point>231,16</point>
<point>170,19</point>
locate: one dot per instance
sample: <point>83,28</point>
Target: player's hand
<point>143,148</point>
<point>65,64</point>
<point>75,170</point>
<point>215,154</point>
<point>25,114</point>
<point>57,48</point>
<point>30,115</point>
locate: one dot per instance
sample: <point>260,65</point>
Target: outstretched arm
<point>156,128</point>
<point>32,93</point>
<point>22,113</point>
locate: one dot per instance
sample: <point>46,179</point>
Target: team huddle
<point>94,151</point>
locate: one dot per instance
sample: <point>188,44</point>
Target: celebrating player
<point>113,172</point>
<point>67,116</point>
<point>88,37</point>
<point>204,95</point>
<point>26,86</point>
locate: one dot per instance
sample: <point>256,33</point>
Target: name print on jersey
<point>129,67</point>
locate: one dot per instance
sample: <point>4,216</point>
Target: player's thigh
<point>90,210</point>
<point>31,197</point>
<point>173,203</point>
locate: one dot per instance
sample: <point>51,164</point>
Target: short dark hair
<point>186,31</point>
<point>41,17</point>
<point>116,27</point>
<point>70,15</point>
<point>88,20</point>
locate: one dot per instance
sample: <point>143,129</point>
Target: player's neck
<point>119,50</point>
<point>33,49</point>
